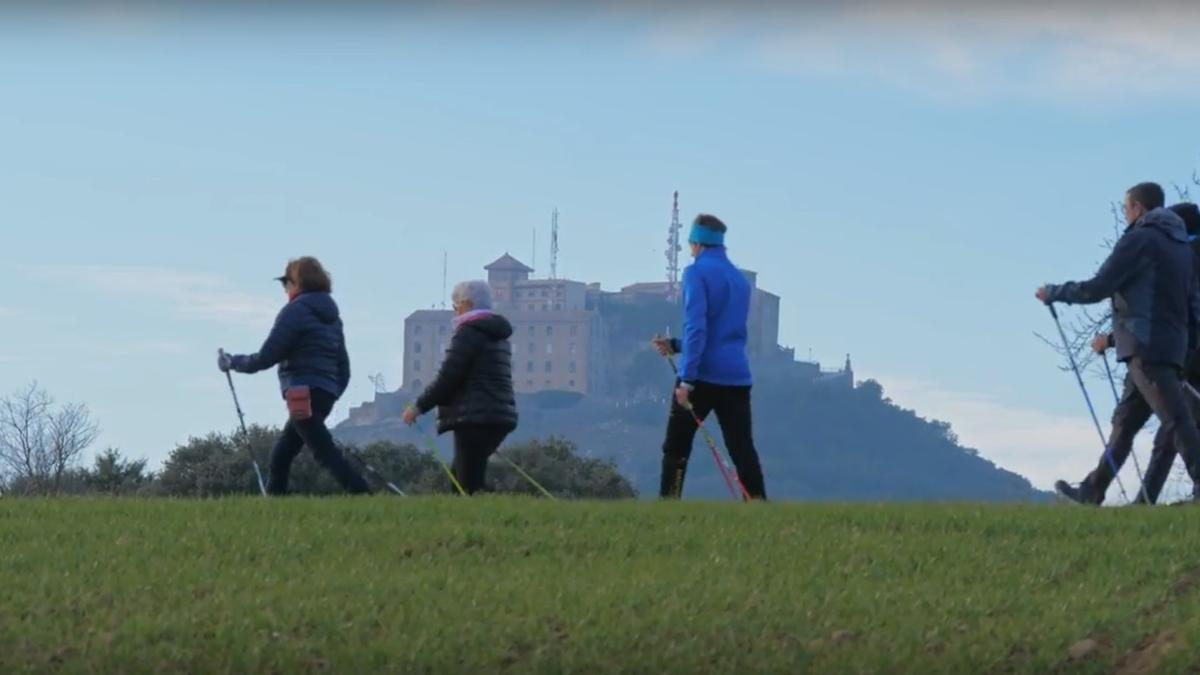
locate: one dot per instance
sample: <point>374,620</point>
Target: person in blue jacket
<point>714,371</point>
<point>309,346</point>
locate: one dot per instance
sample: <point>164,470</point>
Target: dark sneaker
<point>1079,495</point>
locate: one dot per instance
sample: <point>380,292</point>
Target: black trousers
<point>313,433</point>
<point>473,447</point>
<point>732,407</point>
<point>1162,457</point>
<point>1150,388</point>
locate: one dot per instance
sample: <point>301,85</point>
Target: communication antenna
<point>378,381</point>
<point>554,244</point>
<point>673,249</point>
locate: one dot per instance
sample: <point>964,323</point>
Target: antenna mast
<point>554,244</point>
<point>378,381</point>
<point>445,268</point>
<point>673,249</point>
<point>533,263</point>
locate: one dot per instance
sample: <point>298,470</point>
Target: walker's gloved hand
<point>224,361</point>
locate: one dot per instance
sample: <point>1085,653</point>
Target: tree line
<point>42,446</point>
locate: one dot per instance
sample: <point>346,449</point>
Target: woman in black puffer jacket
<point>473,390</point>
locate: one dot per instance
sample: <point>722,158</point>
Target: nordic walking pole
<point>1088,399</point>
<point>526,476</point>
<point>1137,466</point>
<point>732,481</point>
<point>434,451</point>
<point>375,472</point>
<point>262,487</point>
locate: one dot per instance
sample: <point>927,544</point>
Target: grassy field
<point>505,585</point>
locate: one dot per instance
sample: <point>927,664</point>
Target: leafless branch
<point>70,432</point>
<point>38,443</point>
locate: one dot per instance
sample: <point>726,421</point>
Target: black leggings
<point>473,447</point>
<point>732,406</point>
<point>313,433</point>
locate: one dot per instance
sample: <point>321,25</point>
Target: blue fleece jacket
<point>716,306</point>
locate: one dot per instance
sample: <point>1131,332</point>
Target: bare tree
<point>39,443</point>
<point>1086,323</point>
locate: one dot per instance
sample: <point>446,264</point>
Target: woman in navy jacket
<point>308,344</point>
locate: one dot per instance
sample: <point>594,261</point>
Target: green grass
<point>505,585</point>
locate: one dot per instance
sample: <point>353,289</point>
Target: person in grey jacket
<point>1162,456</point>
<point>1150,277</point>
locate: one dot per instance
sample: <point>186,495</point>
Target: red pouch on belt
<point>299,403</point>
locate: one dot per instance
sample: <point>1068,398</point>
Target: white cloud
<point>200,297</point>
<point>1106,51</point>
<point>1041,446</point>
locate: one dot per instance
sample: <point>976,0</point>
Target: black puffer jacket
<point>474,385</point>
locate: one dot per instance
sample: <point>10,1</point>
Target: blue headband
<point>706,237</point>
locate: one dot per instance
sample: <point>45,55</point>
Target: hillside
<point>506,585</point>
<point>817,442</point>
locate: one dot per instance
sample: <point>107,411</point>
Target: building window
<point>549,348</point>
<point>571,348</point>
<point>549,331</point>
<point>545,307</point>
<point>416,384</point>
<point>529,367</point>
<point>532,349</point>
<point>441,330</point>
<point>549,366</point>
<point>416,366</point>
<point>545,293</point>
<point>529,383</point>
<point>571,368</point>
<point>533,308</point>
<point>531,329</point>
<point>417,329</point>
<point>416,347</point>
<point>558,306</point>
<point>547,383</point>
<point>574,330</point>
<point>572,383</point>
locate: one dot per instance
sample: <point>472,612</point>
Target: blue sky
<point>903,178</point>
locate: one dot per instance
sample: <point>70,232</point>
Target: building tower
<point>673,249</point>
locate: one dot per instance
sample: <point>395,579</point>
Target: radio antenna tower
<point>533,263</point>
<point>554,244</point>
<point>673,249</point>
<point>378,381</point>
<point>445,268</point>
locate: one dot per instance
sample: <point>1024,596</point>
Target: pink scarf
<point>473,315</point>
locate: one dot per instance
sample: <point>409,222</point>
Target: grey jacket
<point>1151,277</point>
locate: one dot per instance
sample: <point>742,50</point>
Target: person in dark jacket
<point>1162,456</point>
<point>1150,276</point>
<point>473,389</point>
<point>714,371</point>
<point>308,344</point>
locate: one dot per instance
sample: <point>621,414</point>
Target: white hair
<point>478,293</point>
